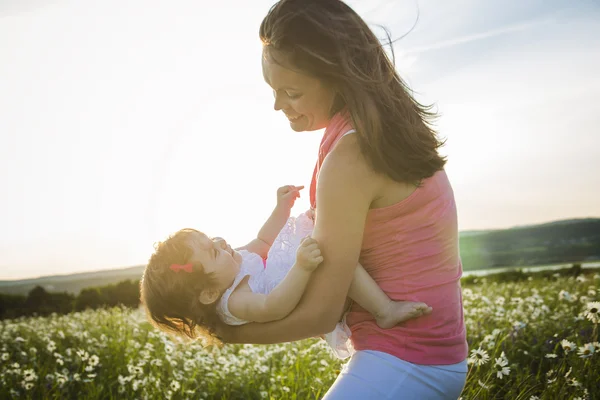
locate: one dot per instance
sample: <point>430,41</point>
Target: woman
<point>381,197</point>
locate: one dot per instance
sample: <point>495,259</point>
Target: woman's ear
<point>209,296</point>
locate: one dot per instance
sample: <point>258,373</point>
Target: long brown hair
<point>329,41</point>
<point>171,299</point>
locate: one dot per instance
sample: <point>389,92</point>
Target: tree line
<point>40,302</point>
<point>554,243</point>
<point>126,293</point>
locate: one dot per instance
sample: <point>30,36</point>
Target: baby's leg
<point>365,291</point>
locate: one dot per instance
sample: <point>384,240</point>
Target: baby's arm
<point>388,313</point>
<point>286,196</point>
<point>285,296</point>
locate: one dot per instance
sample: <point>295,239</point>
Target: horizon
<point>109,138</point>
<point>143,265</point>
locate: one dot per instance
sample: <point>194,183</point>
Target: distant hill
<point>72,283</point>
<point>574,240</point>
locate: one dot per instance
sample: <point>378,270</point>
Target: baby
<point>192,280</point>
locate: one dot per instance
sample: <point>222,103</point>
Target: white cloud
<point>478,36</point>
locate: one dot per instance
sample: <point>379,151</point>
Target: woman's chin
<point>297,128</point>
<point>299,124</point>
<point>304,125</point>
<point>301,127</point>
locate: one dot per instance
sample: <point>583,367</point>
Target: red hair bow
<point>177,267</point>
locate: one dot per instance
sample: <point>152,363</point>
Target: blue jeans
<point>376,375</point>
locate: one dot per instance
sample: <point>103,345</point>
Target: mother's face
<point>305,101</point>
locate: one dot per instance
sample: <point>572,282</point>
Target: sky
<point>124,121</point>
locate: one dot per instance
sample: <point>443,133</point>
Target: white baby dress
<point>265,276</point>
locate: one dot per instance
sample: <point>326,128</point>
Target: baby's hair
<point>171,298</point>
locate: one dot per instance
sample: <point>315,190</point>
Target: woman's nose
<point>278,104</point>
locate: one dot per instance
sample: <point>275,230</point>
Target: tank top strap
<point>339,126</point>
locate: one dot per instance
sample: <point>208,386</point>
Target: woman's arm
<point>346,187</point>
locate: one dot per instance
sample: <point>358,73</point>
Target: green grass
<point>115,354</point>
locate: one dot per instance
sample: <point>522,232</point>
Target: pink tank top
<point>411,251</point>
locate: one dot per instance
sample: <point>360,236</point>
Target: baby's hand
<point>287,195</point>
<point>308,255</point>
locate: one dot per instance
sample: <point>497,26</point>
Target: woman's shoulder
<point>347,160</point>
<point>346,151</point>
<point>346,179</point>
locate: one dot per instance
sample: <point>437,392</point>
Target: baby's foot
<point>400,311</point>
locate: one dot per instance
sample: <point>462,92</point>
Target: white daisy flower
<point>518,325</point>
<point>479,357</point>
<point>156,362</point>
<point>592,311</point>
<point>135,385</point>
<point>501,367</point>
<point>29,375</point>
<point>586,351</point>
<point>94,360</point>
<point>564,295</point>
<point>61,380</point>
<point>567,346</point>
<point>574,382</point>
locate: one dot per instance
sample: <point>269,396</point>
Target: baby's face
<point>217,257</point>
